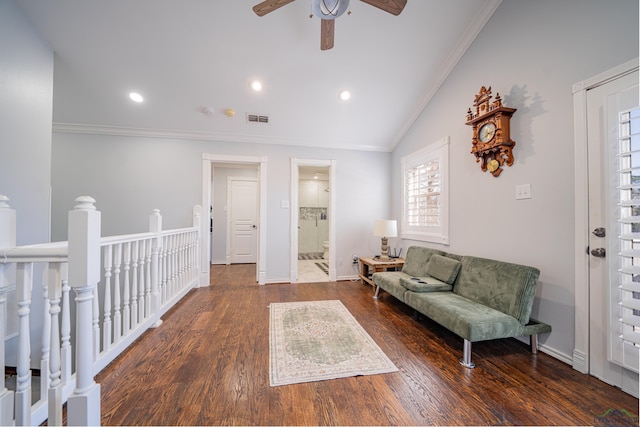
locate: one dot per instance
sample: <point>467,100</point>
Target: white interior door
<point>243,219</point>
<point>604,103</point>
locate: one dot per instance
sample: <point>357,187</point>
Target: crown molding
<point>200,136</point>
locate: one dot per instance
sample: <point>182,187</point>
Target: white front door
<point>604,104</point>
<point>243,219</point>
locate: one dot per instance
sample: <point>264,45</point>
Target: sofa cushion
<point>468,319</point>
<point>417,259</point>
<point>424,284</point>
<point>509,288</point>
<point>443,268</point>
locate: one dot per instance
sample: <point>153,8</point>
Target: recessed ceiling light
<point>256,85</point>
<point>136,97</point>
<point>344,95</point>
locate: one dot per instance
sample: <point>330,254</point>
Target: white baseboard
<point>579,362</point>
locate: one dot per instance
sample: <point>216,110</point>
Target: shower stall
<point>313,224</point>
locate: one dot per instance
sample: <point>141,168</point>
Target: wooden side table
<point>368,266</point>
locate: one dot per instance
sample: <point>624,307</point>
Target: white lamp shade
<point>385,228</point>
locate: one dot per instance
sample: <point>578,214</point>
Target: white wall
<point>26,105</point>
<point>130,176</point>
<point>531,52</point>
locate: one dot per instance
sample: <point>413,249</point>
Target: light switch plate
<point>284,204</point>
<point>523,191</point>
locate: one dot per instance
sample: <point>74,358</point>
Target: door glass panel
<point>628,306</point>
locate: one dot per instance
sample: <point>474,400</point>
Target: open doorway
<point>313,224</point>
<point>220,173</point>
<point>312,221</point>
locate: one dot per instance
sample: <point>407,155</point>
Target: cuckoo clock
<point>491,143</point>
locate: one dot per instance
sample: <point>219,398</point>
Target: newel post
<point>84,274</point>
<point>7,240</point>
<point>155,226</point>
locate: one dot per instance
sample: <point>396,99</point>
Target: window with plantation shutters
<point>629,236</point>
<point>425,193</point>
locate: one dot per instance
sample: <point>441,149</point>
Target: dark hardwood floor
<point>208,364</point>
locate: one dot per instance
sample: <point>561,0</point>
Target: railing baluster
<point>168,269</point>
<point>134,286</point>
<point>182,260</point>
<point>191,256</point>
<point>66,352</point>
<point>173,264</point>
<point>106,328</point>
<point>147,289</point>
<point>126,316</point>
<point>142,282</point>
<point>95,322</point>
<point>23,383</point>
<point>117,316</point>
<point>164,262</point>
<point>155,226</point>
<point>45,342</point>
<point>55,383</point>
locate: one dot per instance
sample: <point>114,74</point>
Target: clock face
<point>487,132</point>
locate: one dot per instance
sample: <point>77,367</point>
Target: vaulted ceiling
<point>192,60</point>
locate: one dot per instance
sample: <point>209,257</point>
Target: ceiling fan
<point>328,11</point>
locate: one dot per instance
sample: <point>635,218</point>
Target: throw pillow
<point>443,268</point>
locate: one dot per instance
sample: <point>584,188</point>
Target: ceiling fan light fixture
<point>329,9</point>
<point>344,95</point>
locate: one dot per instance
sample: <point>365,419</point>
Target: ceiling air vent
<point>257,118</point>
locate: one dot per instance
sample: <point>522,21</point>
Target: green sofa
<point>476,298</point>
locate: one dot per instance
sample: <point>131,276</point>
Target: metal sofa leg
<point>466,356</point>
<point>533,340</point>
<point>376,295</point>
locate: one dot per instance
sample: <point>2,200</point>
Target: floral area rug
<point>320,340</point>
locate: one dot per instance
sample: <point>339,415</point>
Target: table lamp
<point>385,228</point>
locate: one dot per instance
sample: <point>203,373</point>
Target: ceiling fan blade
<point>267,6</point>
<point>327,27</point>
<point>394,7</point>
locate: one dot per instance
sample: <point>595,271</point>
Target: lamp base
<point>384,250</point>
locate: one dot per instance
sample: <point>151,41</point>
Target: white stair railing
<point>122,285</point>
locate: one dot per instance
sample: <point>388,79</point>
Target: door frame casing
<point>295,178</point>
<point>259,161</point>
<point>581,209</point>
